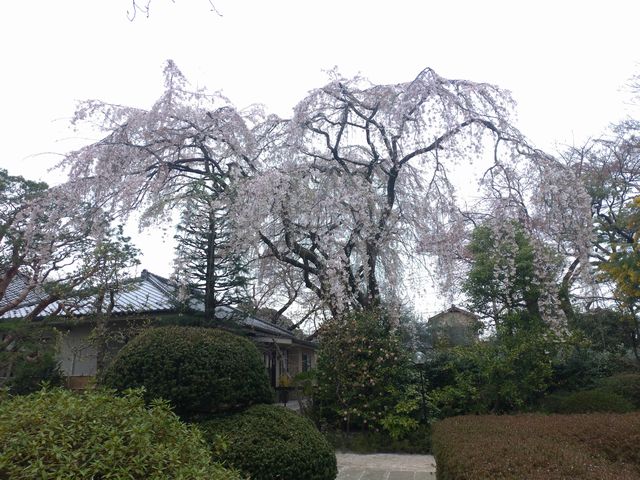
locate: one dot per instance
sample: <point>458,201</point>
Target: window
<point>284,361</point>
<point>306,362</point>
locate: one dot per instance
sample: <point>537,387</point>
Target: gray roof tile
<point>148,293</point>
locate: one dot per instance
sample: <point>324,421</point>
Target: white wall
<point>77,356</point>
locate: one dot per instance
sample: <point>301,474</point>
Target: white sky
<point>566,62</point>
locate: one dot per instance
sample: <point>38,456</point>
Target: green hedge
<point>270,442</point>
<point>587,401</point>
<point>196,369</point>
<point>538,447</point>
<point>56,434</point>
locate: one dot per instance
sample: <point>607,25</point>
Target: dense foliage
<point>503,278</point>
<point>577,366</point>
<point>609,168</point>
<point>57,434</point>
<point>195,369</point>
<point>527,352</point>
<point>538,447</point>
<point>606,329</point>
<point>501,375</point>
<point>364,375</point>
<point>622,266</point>
<point>269,442</point>
<point>587,401</point>
<point>27,357</point>
<point>626,385</point>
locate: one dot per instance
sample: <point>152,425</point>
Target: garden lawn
<point>586,446</point>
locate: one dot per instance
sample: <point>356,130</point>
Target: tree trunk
<point>210,276</point>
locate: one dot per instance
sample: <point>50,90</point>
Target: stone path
<point>385,466</point>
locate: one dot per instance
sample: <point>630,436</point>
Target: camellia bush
<point>269,441</point>
<point>198,370</point>
<point>57,434</point>
<point>364,375</point>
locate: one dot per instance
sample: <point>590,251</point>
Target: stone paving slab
<point>384,466</point>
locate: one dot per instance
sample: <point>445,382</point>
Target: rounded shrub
<point>196,369</point>
<point>268,441</point>
<point>587,401</point>
<point>58,434</point>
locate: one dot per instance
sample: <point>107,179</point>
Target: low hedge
<point>538,447</point>
<point>195,369</point>
<point>269,442</point>
<point>57,434</point>
<point>587,401</point>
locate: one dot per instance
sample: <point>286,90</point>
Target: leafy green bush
<point>57,434</point>
<point>195,369</point>
<point>504,374</point>
<point>269,441</point>
<point>364,376</point>
<point>576,367</point>
<point>30,374</point>
<point>626,385</point>
<point>538,447</point>
<point>27,357</point>
<point>606,330</point>
<point>586,401</point>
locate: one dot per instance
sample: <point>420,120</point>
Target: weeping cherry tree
<point>359,184</point>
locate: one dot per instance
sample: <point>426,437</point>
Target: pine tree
<point>205,258</point>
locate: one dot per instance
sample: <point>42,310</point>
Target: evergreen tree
<point>510,279</point>
<point>206,260</point>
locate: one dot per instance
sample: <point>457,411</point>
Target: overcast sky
<point>566,63</point>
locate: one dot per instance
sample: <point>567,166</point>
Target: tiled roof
<point>253,322</point>
<point>141,295</point>
<point>149,293</point>
<point>454,309</point>
<point>24,311</point>
<point>17,286</point>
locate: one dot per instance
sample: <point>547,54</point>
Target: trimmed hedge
<point>270,442</point>
<point>196,369</point>
<point>538,447</point>
<point>57,434</point>
<point>587,401</point>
